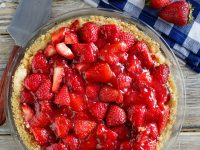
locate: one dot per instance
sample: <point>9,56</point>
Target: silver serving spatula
<point>30,15</point>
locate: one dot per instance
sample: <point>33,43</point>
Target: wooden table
<point>189,138</point>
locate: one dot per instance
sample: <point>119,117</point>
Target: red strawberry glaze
<point>102,93</point>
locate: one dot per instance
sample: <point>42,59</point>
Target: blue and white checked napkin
<point>184,41</point>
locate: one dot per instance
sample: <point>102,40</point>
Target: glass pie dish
<point>164,48</point>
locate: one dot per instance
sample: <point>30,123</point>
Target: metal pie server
<point>30,15</point>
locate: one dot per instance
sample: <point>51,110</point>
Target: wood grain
<point>188,140</point>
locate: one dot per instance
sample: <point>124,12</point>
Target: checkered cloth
<point>184,41</point>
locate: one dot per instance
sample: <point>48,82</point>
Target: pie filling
<point>95,87</point>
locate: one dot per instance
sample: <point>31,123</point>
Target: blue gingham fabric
<point>184,41</point>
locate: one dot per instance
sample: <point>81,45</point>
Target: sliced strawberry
<point>56,146</point>
<point>65,111</point>
<point>52,137</point>
<point>100,43</point>
<point>49,51</point>
<point>89,32</point>
<point>78,48</point>
<point>110,53</point>
<point>109,94</point>
<point>147,137</point>
<point>68,70</point>
<point>58,75</point>
<point>132,98</point>
<point>106,136</point>
<point>117,47</point>
<point>90,53</point>
<point>28,113</point>
<point>118,68</point>
<point>163,119</point>
<point>98,110</point>
<point>142,81</point>
<point>83,128</point>
<point>123,57</point>
<point>82,115</point>
<point>116,116</point>
<point>63,98</point>
<point>41,119</point>
<point>59,35</point>
<point>133,65</point>
<point>87,53</point>
<point>57,60</point>
<point>150,144</point>
<point>75,82</point>
<point>108,56</point>
<point>45,106</point>
<point>44,77</point>
<point>72,142</point>
<point>123,81</point>
<point>110,32</point>
<point>33,81</point>
<point>95,73</point>
<point>144,142</point>
<point>148,95</point>
<point>162,93</point>
<point>128,38</point>
<point>39,63</point>
<point>41,135</point>
<point>153,114</point>
<point>44,91</point>
<point>161,73</point>
<point>151,130</point>
<point>77,102</point>
<point>141,50</point>
<point>144,77</point>
<point>89,144</point>
<point>92,91</point>
<point>136,114</point>
<point>26,97</point>
<point>101,129</point>
<point>61,126</point>
<point>71,38</point>
<point>123,131</point>
<point>125,146</point>
<point>82,67</point>
<point>64,51</point>
<point>75,25</point>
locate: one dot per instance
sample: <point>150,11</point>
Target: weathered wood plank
<point>7,143</point>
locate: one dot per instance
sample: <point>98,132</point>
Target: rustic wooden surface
<point>189,138</point>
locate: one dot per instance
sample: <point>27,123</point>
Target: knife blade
<point>30,15</point>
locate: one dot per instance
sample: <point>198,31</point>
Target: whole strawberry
<point>179,13</point>
<point>157,4</point>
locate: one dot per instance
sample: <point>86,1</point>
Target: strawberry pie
<point>93,83</point>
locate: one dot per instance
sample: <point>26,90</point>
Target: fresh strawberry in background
<point>179,13</point>
<point>157,4</point>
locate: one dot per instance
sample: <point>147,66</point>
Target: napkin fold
<point>184,41</point>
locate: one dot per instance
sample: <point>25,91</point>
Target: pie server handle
<point>3,82</point>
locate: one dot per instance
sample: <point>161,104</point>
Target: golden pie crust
<point>41,42</point>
